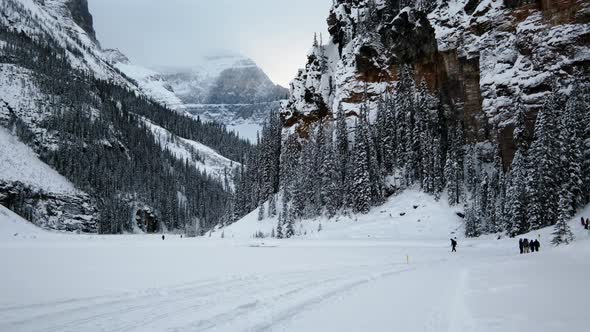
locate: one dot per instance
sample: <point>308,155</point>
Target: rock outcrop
<point>56,211</point>
<point>81,15</point>
<point>483,57</point>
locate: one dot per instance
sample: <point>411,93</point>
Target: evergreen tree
<point>361,183</point>
<point>290,224</point>
<point>330,175</point>
<point>272,206</point>
<point>261,212</point>
<point>279,233</point>
<point>471,222</point>
<point>516,221</point>
<point>542,187</point>
<point>342,144</point>
<point>570,152</point>
<point>563,233</point>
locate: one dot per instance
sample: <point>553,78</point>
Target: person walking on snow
<point>537,245</point>
<point>453,245</point>
<point>525,244</point>
<point>521,246</point>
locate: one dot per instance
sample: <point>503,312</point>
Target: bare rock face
<point>62,212</point>
<point>480,56</point>
<point>82,16</point>
<point>245,85</point>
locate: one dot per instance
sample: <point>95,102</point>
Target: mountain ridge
<point>135,164</point>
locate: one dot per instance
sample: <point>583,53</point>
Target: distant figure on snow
<point>453,245</point>
<point>537,245</point>
<point>525,244</point>
<point>587,224</point>
<point>521,246</point>
<point>163,237</point>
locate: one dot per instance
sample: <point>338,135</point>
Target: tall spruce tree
<point>542,185</point>
<point>361,175</point>
<point>562,232</point>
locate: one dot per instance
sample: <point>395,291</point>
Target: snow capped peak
<point>211,65</point>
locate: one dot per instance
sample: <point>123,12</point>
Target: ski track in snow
<point>203,306</point>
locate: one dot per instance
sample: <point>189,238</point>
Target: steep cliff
<point>82,16</point>
<point>481,57</point>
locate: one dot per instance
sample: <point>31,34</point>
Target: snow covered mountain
<point>228,88</point>
<point>223,79</point>
<point>150,82</point>
<point>102,128</point>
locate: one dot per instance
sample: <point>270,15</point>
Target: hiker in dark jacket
<point>521,246</point>
<point>525,244</point>
<point>587,224</point>
<point>537,245</point>
<point>453,245</point>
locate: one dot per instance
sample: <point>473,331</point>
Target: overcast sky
<point>275,33</point>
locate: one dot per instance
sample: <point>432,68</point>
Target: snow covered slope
<point>206,159</point>
<point>19,163</point>
<point>14,227</point>
<point>150,82</point>
<point>226,88</point>
<point>408,216</point>
<point>55,19</point>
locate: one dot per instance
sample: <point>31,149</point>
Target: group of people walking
<point>527,246</point>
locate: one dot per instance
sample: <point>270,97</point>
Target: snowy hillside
<point>409,216</point>
<point>150,82</point>
<point>227,88</point>
<point>81,111</point>
<point>206,159</point>
<point>19,163</point>
<point>53,18</point>
<point>15,228</point>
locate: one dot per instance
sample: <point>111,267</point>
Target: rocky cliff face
<point>63,212</point>
<point>82,16</point>
<point>483,57</point>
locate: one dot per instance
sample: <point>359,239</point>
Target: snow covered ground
<point>326,281</point>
